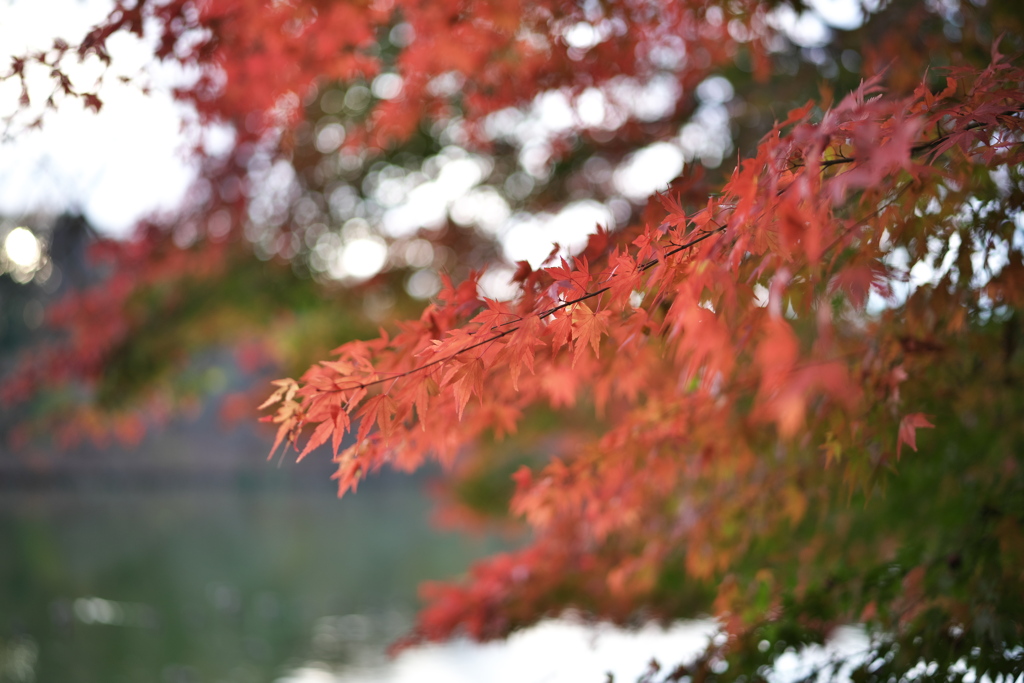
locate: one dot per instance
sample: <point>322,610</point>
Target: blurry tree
<point>698,409</point>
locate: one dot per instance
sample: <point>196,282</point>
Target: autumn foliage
<point>790,401</point>
<point>701,379</point>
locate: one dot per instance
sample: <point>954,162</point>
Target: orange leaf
<point>521,349</point>
<point>467,380</point>
<point>319,436</point>
<point>341,425</point>
<point>587,329</point>
<point>676,216</point>
<point>282,431</point>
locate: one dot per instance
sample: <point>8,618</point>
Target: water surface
<point>219,584</point>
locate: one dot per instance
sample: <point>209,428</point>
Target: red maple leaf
<point>908,430</point>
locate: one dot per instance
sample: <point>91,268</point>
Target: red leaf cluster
<point>717,371</point>
<point>660,334</point>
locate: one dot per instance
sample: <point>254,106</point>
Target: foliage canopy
<point>713,406</point>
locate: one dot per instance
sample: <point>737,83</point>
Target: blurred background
<point>179,554</point>
<point>161,545</point>
<point>187,556</point>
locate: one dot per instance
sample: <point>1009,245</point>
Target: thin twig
<point>647,265</point>
<point>924,146</point>
<point>915,150</point>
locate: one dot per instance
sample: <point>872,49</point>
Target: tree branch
<point>915,150</point>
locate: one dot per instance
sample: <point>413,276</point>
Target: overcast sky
<point>114,166</point>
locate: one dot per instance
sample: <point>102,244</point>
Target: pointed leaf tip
<point>908,430</point>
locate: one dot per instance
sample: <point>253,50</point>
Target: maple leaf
<point>496,314</point>
<point>560,328</point>
<point>520,349</point>
<point>523,270</point>
<point>424,390</point>
<point>587,328</point>
<point>341,426</point>
<point>286,390</point>
<point>350,470</point>
<point>692,451</point>
<point>908,430</point>
<point>466,379</point>
<point>283,431</point>
<point>319,437</point>
<point>676,216</point>
<point>575,279</point>
<point>371,411</point>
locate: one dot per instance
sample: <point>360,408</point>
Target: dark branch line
<point>923,147</point>
<point>920,148</point>
<point>647,265</point>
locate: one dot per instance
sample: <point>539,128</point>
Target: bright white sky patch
<point>649,170</point>
<point>805,29</point>
<point>553,652</point>
<point>364,257</point>
<point>590,107</point>
<point>124,162</point>
<point>427,204</point>
<point>22,248</point>
<point>114,166</point>
<point>554,111</point>
<point>648,101</point>
<point>559,651</point>
<point>497,284</point>
<point>531,238</point>
<point>583,36</point>
<point>387,86</point>
<point>482,206</point>
<point>706,136</point>
<point>842,14</point>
